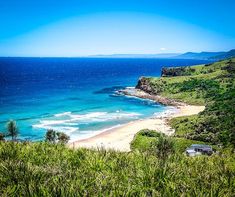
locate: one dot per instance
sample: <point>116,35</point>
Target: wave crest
<point>69,122</point>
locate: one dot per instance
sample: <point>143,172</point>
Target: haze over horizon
<point>82,28</point>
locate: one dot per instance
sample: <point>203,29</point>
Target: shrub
<point>53,136</point>
<point>149,133</point>
<point>163,147</point>
<point>50,136</point>
<point>62,137</point>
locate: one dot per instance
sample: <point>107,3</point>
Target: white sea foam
<point>67,130</point>
<point>102,116</point>
<point>166,113</point>
<point>62,114</point>
<point>70,122</point>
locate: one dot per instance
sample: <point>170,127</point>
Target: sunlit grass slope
<point>40,169</point>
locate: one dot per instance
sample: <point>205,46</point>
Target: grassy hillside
<point>229,54</point>
<point>212,85</point>
<point>41,169</point>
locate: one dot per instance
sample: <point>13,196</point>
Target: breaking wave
<point>69,122</point>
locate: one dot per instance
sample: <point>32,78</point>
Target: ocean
<point>75,95</point>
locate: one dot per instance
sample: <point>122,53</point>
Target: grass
<point>41,169</point>
<point>144,139</point>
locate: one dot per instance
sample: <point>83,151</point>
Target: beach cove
<point>120,138</point>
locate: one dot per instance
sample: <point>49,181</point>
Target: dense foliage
<point>55,136</point>
<point>179,71</point>
<point>148,140</point>
<point>46,169</point>
<point>212,85</point>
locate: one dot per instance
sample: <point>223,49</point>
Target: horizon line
<point>115,55</point>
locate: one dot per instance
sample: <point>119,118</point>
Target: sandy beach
<point>121,137</point>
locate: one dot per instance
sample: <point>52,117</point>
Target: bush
<point>62,137</point>
<point>53,137</point>
<point>143,140</point>
<point>50,136</point>
<point>149,133</point>
<point>163,147</point>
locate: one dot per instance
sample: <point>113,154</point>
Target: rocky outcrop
<point>142,94</point>
<point>144,84</point>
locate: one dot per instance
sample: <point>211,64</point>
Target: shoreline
<point>120,138</point>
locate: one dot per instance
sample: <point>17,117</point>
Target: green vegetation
<point>163,147</point>
<point>12,129</point>
<point>212,85</point>
<point>54,136</point>
<point>146,140</point>
<point>2,137</point>
<point>62,138</point>
<point>179,71</point>
<point>47,169</point>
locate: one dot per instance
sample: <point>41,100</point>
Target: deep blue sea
<point>74,95</point>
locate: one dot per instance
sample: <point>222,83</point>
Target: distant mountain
<point>189,55</point>
<point>207,55</point>
<point>226,55</point>
<point>160,55</point>
<point>201,55</point>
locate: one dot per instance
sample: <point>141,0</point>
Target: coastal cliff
<point>144,84</point>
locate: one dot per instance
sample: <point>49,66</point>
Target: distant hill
<point>160,55</point>
<point>225,55</point>
<point>189,55</point>
<point>201,55</point>
<point>207,55</point>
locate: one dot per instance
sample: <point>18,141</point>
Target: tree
<point>12,129</point>
<point>50,136</point>
<point>62,137</point>
<point>53,136</point>
<point>2,137</point>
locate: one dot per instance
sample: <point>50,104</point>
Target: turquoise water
<point>74,95</point>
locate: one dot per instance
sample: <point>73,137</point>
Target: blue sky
<point>86,27</point>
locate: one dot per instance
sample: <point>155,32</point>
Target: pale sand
<point>121,137</point>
